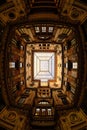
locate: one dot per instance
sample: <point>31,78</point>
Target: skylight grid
<point>44,63</point>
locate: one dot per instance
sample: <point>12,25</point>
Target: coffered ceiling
<point>43,20</point>
<point>72,11</point>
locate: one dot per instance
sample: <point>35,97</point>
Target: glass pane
<point>11,64</point>
<point>74,65</point>
<point>37,29</point>
<point>43,29</point>
<point>50,29</point>
<point>44,65</point>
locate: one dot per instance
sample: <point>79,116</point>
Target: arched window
<point>43,102</point>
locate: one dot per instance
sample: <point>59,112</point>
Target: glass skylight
<point>44,63</point>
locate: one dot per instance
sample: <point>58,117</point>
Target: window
<point>21,47</point>
<point>37,30</point>
<point>43,111</point>
<point>21,82</point>
<point>74,65</point>
<point>11,64</point>
<point>43,29</point>
<point>50,29</point>
<point>37,111</point>
<point>21,65</point>
<point>66,65</point>
<point>43,102</point>
<point>49,111</point>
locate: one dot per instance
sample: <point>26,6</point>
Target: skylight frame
<point>50,75</point>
